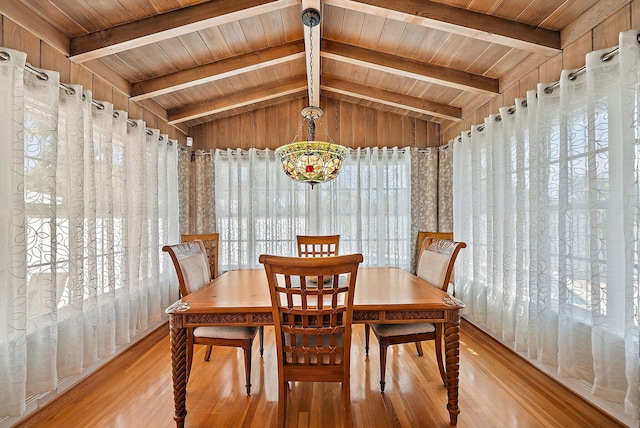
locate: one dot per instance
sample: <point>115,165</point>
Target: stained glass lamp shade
<point>311,161</point>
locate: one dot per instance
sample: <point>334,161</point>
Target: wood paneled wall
<point>42,55</point>
<point>598,30</point>
<point>351,125</point>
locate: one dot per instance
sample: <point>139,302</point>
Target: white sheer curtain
<point>259,209</point>
<point>88,199</point>
<point>546,194</point>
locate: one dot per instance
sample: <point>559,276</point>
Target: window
<point>261,210</point>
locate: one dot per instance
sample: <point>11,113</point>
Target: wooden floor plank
<point>497,389</point>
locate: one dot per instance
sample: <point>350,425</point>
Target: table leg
<point>452,360</point>
<point>179,370</point>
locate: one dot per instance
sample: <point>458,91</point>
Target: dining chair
<point>210,241</point>
<point>318,245</point>
<point>435,264</point>
<point>312,321</point>
<point>193,271</point>
<point>440,235</point>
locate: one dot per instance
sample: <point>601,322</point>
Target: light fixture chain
<point>295,137</point>
<point>311,63</point>
<point>326,132</point>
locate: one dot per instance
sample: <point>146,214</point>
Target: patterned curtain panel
<point>547,198</point>
<point>445,189</point>
<point>424,195</point>
<point>88,198</point>
<point>197,193</point>
<point>184,186</point>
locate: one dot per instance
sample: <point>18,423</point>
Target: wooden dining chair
<point>318,245</point>
<point>440,235</point>
<point>193,271</point>
<point>312,321</point>
<point>435,264</point>
<point>210,241</point>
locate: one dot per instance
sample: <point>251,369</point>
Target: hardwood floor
<point>497,389</point>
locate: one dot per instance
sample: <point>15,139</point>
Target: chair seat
<point>388,330</point>
<point>231,332</point>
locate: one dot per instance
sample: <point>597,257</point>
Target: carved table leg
<point>452,360</point>
<point>179,370</point>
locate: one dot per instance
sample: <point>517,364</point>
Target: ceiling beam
<point>460,21</point>
<point>410,68</point>
<point>208,73</point>
<point>393,99</point>
<point>168,25</point>
<point>312,48</point>
<point>239,99</point>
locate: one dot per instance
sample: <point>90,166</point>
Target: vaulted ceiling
<point>201,60</point>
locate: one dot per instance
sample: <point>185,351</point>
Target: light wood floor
<point>497,389</point>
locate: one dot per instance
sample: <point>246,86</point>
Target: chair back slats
<point>318,245</point>
<point>312,318</point>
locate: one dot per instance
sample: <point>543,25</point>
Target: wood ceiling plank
<point>409,68</point>
<point>437,93</point>
<point>484,6</point>
<point>391,36</point>
<point>352,26</point>
<point>239,99</point>
<point>485,60</point>
<point>215,42</point>
<point>167,25</point>
<point>391,98</point>
<point>511,9</point>
<point>273,25</point>
<point>371,31</point>
<point>452,46</point>
<point>218,70</point>
<point>590,19</point>
<point>538,10</point>
<point>196,47</point>
<point>413,40</point>
<point>141,64</point>
<point>235,37</point>
<point>567,13</point>
<point>177,56</point>
<point>22,16</point>
<point>431,44</point>
<point>461,21</point>
<point>254,33</point>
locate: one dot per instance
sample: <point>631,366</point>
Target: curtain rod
<point>549,89</point>
<point>572,76</point>
<point>211,151</point>
<point>5,56</point>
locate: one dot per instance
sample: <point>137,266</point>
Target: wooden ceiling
<point>202,60</point>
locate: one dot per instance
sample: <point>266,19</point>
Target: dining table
<point>382,295</point>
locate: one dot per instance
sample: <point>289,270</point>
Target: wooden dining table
<point>383,295</point>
